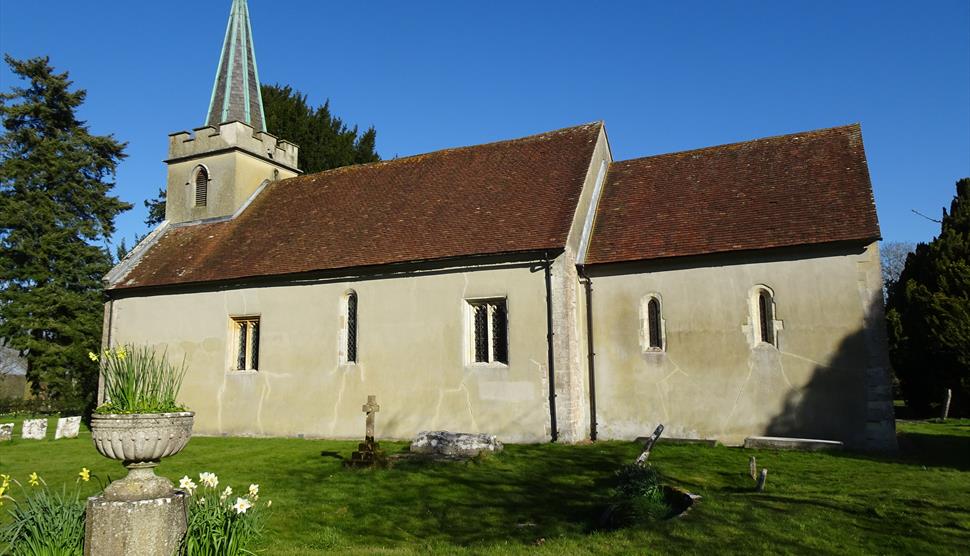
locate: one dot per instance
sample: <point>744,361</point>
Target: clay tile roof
<point>503,197</point>
<point>797,189</point>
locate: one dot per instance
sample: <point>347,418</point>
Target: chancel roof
<point>497,198</point>
<point>799,189</point>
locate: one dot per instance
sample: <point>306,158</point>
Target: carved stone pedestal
<point>368,454</point>
<point>153,527</point>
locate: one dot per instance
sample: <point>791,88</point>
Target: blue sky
<point>664,76</point>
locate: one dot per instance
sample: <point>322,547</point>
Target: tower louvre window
<point>201,187</point>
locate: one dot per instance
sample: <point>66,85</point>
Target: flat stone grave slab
<point>34,429</point>
<point>783,443</point>
<point>67,427</point>
<point>454,444</point>
<point>6,431</point>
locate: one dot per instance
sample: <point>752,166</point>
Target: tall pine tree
<point>928,314</point>
<point>55,208</point>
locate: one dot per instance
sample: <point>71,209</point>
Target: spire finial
<point>235,94</point>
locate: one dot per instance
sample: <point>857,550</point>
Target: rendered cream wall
<point>412,353</point>
<point>710,382</point>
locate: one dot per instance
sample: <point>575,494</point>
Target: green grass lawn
<point>546,498</point>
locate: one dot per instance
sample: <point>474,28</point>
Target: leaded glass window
<point>352,328</point>
<point>490,331</point>
<point>246,332</point>
<point>653,324</point>
<point>766,317</point>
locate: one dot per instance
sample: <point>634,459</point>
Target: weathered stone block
<point>138,528</point>
<point>67,427</point>
<point>454,444</point>
<point>6,431</point>
<point>782,443</point>
<point>34,429</point>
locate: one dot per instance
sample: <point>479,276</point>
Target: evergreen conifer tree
<point>928,314</point>
<point>55,208</point>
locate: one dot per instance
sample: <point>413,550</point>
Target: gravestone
<point>6,431</point>
<point>34,429</point>
<point>368,452</point>
<point>67,427</point>
<point>457,445</point>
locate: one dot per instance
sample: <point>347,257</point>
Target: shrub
<point>638,496</point>
<point>137,380</point>
<point>219,523</point>
<point>43,522</point>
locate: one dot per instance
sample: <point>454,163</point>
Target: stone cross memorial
<point>6,431</point>
<point>67,427</point>
<point>34,429</point>
<point>368,452</point>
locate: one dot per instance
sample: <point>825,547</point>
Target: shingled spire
<point>235,95</point>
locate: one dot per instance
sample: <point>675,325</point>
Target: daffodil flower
<point>269,503</point>
<point>254,490</point>
<point>226,493</point>
<point>187,484</point>
<point>85,474</point>
<point>120,352</point>
<point>33,480</point>
<point>241,505</point>
<point>209,479</point>
<point>92,356</point>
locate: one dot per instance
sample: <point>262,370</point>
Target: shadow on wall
<point>833,404</point>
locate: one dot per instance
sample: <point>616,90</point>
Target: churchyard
<point>548,498</point>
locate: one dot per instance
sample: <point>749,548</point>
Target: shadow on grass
<point>934,450</point>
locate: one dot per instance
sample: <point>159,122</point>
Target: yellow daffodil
<point>92,356</point>
<point>33,480</point>
<point>85,474</point>
<point>120,352</point>
<point>4,480</point>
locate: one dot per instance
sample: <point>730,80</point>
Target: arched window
<point>653,323</point>
<point>766,317</point>
<point>352,327</point>
<point>201,186</point>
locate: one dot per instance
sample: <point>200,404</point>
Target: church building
<point>534,288</point>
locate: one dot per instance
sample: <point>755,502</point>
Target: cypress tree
<point>928,314</point>
<point>55,210</point>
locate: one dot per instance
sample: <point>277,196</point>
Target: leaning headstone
<point>946,404</point>
<point>67,427</point>
<point>6,431</point>
<point>753,468</point>
<point>34,429</point>
<point>648,445</point>
<point>454,444</point>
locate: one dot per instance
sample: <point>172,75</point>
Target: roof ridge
<point>445,150</point>
<point>812,132</point>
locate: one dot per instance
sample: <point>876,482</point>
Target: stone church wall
<point>714,379</point>
<point>413,355</point>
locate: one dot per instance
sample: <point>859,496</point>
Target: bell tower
<point>216,170</point>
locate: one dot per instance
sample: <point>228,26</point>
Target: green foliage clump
<point>325,141</point>
<point>928,315</point>
<point>638,497</point>
<point>42,521</point>
<point>55,210</point>
<point>219,522</point>
<point>137,380</point>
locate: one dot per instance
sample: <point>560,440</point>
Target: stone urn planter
<point>140,441</point>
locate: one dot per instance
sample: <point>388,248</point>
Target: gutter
<point>590,353</point>
<point>550,349</point>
